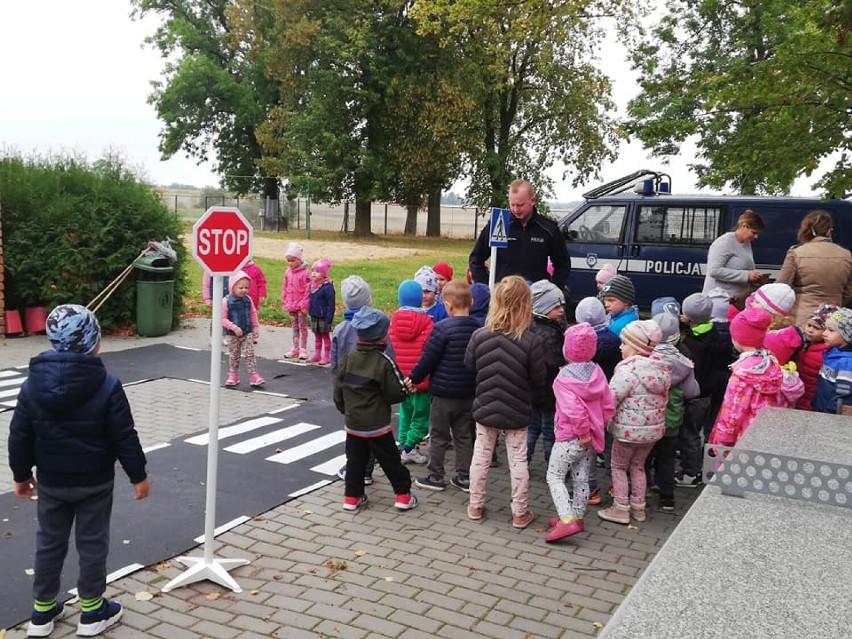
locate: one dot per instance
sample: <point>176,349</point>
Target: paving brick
<point>419,621</point>
<point>535,627</point>
<point>379,626</point>
<point>499,632</point>
<point>170,631</point>
<point>331,628</point>
<point>214,630</point>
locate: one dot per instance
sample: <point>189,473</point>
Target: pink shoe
<point>293,353</point>
<point>256,380</point>
<point>303,354</point>
<point>313,359</point>
<point>325,361</point>
<point>232,380</point>
<point>562,530</point>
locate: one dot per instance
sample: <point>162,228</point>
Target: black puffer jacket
<point>72,422</point>
<point>443,359</point>
<point>552,338</point>
<point>510,377</point>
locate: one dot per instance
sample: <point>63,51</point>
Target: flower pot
<point>35,318</point>
<point>13,323</point>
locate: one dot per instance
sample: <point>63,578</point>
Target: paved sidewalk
<point>318,571</point>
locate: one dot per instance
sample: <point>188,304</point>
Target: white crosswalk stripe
<point>236,429</point>
<point>275,437</point>
<point>310,448</point>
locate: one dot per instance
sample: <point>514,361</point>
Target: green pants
<point>414,419</point>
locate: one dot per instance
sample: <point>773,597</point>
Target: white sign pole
<point>492,269</point>
<point>207,567</point>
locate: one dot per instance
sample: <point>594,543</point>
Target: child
<point>296,298</point>
<point>321,310</point>
<point>452,387</point>
<point>481,295</point>
<point>443,274</point>
<point>755,381</point>
<point>549,324</point>
<point>810,357</point>
<point>425,276</point>
<point>72,422</point>
<point>509,363</point>
<point>785,344</point>
<point>836,370</point>
<point>207,288</point>
<point>607,356</point>
<point>584,405</point>
<point>710,354</point>
<point>683,388</point>
<point>257,292</point>
<point>618,296</point>
<point>239,319</point>
<point>640,389</point>
<point>366,385</point>
<point>410,327</point>
<point>604,275</point>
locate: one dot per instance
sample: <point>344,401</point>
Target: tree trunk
<point>433,217</point>
<point>363,217</point>
<point>412,205</point>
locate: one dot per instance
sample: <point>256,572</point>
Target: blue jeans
<point>541,423</point>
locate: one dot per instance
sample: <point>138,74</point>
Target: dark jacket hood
<point>64,381</point>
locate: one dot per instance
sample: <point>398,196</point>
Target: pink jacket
<point>756,381</point>
<point>257,291</point>
<point>226,322</point>
<point>584,403</point>
<point>640,388</point>
<point>296,289</point>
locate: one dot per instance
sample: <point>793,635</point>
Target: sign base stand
<point>199,569</point>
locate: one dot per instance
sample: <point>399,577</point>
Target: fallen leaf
<point>597,624</point>
<point>29,571</point>
<point>632,527</point>
<point>336,566</point>
<point>313,571</point>
<point>388,578</point>
<point>213,596</point>
<point>144,596</point>
<point>163,565</point>
<point>267,617</point>
<point>307,512</point>
<point>255,592</point>
<point>278,577</point>
<point>360,553</point>
<point>258,518</point>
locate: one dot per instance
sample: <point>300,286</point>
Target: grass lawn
<point>383,275</point>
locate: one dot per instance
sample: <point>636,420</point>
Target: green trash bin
<point>155,291</point>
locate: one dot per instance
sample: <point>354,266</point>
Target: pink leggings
<point>629,458</point>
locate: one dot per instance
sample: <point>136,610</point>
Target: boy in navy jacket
<point>453,387</point>
<point>72,421</point>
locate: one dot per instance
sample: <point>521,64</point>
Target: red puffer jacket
<point>408,333</point>
<point>809,362</point>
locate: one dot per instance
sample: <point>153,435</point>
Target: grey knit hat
<point>669,327</point>
<point>73,328</point>
<point>698,308</point>
<point>355,292</point>
<point>619,287</point>
<point>842,318</point>
<point>545,297</point>
<point>592,311</point>
<point>425,276</point>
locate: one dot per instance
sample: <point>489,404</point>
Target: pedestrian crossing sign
<point>499,228</point>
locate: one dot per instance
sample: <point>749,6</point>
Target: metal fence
<point>457,221</point>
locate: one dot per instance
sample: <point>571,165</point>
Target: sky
<point>75,79</point>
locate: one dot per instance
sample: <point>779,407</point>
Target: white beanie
<point>592,311</point>
<point>355,292</point>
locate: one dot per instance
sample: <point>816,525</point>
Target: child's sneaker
<point>354,503</point>
<point>405,502</point>
<point>313,359</point>
<point>616,513</point>
<point>595,497</point>
<point>462,483</point>
<point>637,511</point>
<point>325,361</point>
<point>256,380</point>
<point>41,623</point>
<point>667,503</point>
<point>688,481</point>
<point>232,380</point>
<point>474,512</point>
<point>303,354</point>
<point>523,520</point>
<point>293,353</point>
<point>95,622</point>
<point>431,482</point>
<point>561,530</point>
<point>413,457</point>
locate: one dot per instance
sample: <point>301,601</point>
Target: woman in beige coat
<point>818,269</point>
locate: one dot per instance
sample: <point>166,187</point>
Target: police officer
<point>533,238</point>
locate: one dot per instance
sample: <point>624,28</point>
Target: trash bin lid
<point>153,264</point>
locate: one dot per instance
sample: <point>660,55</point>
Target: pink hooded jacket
<point>257,291</point>
<point>584,403</point>
<point>756,381</point>
<point>296,288</point>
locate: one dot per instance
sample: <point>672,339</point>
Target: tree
<point>530,67</point>
<point>764,85</point>
<point>215,92</point>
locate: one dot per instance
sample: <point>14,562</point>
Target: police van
<point>660,240</point>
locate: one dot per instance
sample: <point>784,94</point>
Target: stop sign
<point>221,240</point>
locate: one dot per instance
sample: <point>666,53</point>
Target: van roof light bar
<point>661,183</point>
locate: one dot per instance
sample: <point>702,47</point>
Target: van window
<point>598,223</point>
<point>684,225</point>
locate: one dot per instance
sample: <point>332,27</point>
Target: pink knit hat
<point>605,274</point>
<point>783,343</point>
<point>580,343</point>
<point>776,298</point>
<point>294,250</point>
<point>748,328</point>
<point>643,335</point>
<point>322,266</point>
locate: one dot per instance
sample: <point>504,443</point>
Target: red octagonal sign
<point>221,240</point>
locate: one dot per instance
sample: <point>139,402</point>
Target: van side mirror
<point>571,235</point>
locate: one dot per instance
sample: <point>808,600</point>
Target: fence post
<point>386,218</point>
